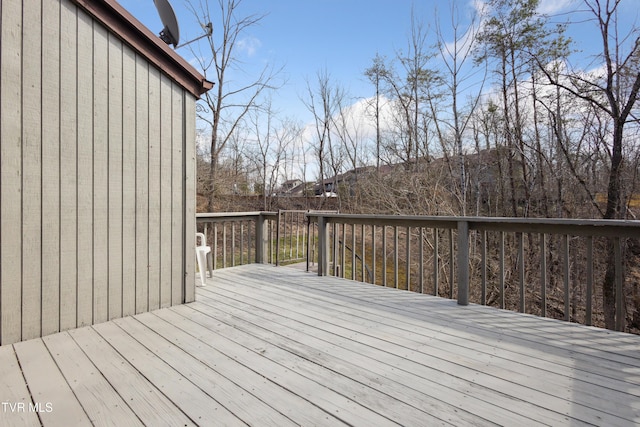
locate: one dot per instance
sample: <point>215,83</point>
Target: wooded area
<point>501,121</point>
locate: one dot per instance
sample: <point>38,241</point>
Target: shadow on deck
<point>278,346</point>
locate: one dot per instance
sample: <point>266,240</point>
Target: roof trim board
<point>118,20</point>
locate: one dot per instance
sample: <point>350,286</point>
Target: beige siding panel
<point>85,170</point>
<point>115,177</point>
<point>68,168</point>
<point>100,174</point>
<point>128,182</point>
<point>190,197</point>
<point>154,188</point>
<point>10,172</point>
<point>142,185</point>
<point>177,188</point>
<point>165,191</point>
<point>32,173</point>
<point>97,175</point>
<point>51,168</point>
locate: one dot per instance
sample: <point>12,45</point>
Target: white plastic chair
<point>202,251</point>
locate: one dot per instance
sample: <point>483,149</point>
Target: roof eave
<point>118,20</point>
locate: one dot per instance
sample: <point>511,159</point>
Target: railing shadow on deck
<point>546,267</point>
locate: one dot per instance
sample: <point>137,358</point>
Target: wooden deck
<point>268,345</point>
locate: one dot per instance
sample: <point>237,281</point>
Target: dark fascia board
<point>113,16</point>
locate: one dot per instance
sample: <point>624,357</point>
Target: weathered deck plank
<point>45,383</point>
<point>14,394</point>
<point>231,395</point>
<point>143,397</point>
<point>378,337</point>
<point>276,346</point>
<point>93,391</point>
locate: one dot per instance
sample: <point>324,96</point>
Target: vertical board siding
<point>142,185</point>
<point>85,170</point>
<point>189,192</point>
<point>128,182</point>
<point>51,237</point>
<point>115,261</point>
<point>154,189</point>
<point>10,172</point>
<point>177,181</point>
<point>68,168</point>
<point>32,171</point>
<point>100,174</point>
<point>97,175</point>
<point>165,191</point>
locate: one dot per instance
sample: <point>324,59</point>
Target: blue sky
<point>306,36</point>
<point>341,36</point>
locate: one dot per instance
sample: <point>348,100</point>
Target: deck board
<point>13,392</point>
<point>46,383</point>
<point>277,346</point>
<point>93,391</point>
<point>378,339</point>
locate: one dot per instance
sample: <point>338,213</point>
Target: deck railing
<point>238,238</point>
<point>546,267</point>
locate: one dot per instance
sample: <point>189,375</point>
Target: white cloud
<point>249,45</point>
<point>551,7</point>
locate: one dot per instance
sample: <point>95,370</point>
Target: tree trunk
<point>612,212</point>
<point>213,170</point>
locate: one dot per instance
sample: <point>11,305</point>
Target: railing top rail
<point>232,216</point>
<point>574,227</point>
<point>293,210</point>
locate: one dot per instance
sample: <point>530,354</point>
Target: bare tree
<point>376,74</point>
<point>348,129</point>
<point>455,56</point>
<point>324,102</point>
<point>224,107</point>
<point>615,93</point>
<point>273,140</point>
<point>410,92</point>
<point>509,34</point>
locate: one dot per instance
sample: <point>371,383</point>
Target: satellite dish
<point>170,34</point>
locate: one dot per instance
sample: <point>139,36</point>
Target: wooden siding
<point>96,164</point>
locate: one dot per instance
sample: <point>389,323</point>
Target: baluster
<point>589,307</point>
<point>408,253</point>
<point>384,256</point>
<point>436,263</point>
<point>543,272</point>
<point>521,270</point>
<point>395,257</point>
<point>421,279</point>
<point>373,254</point>
<point>565,269</point>
<point>502,269</point>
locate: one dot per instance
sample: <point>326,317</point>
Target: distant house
<point>345,181</point>
<point>292,188</point>
<point>290,184</point>
<point>97,167</point>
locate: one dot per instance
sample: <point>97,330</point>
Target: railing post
<point>463,263</point>
<point>262,239</point>
<point>323,246</point>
